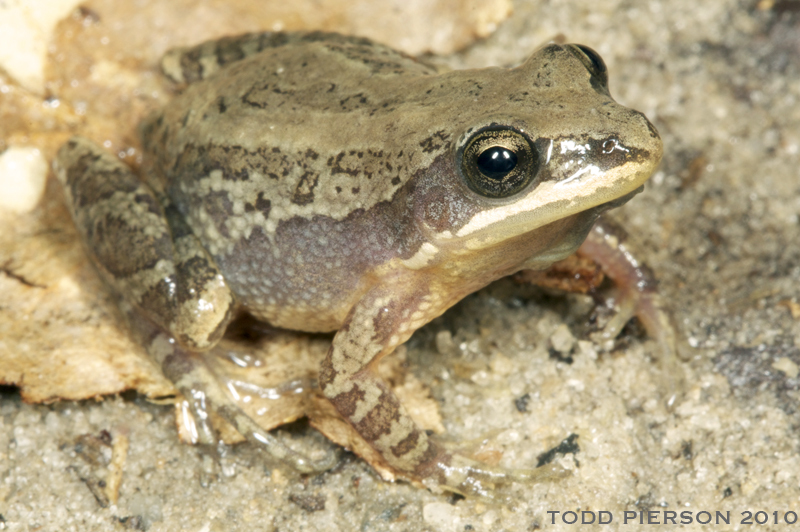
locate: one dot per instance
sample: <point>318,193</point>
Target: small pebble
<point>23,172</point>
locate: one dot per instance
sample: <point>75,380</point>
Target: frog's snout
<point>646,140</point>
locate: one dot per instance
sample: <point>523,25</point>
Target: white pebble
<point>23,171</point>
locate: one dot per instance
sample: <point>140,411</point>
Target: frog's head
<point>548,143</point>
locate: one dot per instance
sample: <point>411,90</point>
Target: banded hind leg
<point>174,297</point>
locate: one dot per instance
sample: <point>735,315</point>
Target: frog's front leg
<point>175,300</point>
<point>382,320</point>
<point>637,295</point>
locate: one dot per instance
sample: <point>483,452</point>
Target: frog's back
<point>280,109</point>
<point>278,147</point>
<point>296,129</point>
<point>191,64</point>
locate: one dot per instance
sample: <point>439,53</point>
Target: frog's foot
<point>467,477</point>
<point>274,447</point>
<point>204,395</point>
<point>637,295</point>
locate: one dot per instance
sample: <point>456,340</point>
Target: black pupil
<point>496,162</point>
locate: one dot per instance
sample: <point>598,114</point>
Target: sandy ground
<point>718,222</point>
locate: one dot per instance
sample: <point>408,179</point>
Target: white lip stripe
<point>553,201</point>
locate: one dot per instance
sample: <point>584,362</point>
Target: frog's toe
<point>196,426</point>
<point>306,465</point>
<point>647,306</point>
<point>276,448</point>
<point>471,478</point>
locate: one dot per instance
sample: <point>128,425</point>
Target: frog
<point>327,183</point>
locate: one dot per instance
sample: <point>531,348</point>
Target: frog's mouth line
<point>613,204</point>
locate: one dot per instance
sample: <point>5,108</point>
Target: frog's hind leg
<point>143,251</point>
<point>175,300</point>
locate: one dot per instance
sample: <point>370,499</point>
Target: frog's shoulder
<point>186,65</point>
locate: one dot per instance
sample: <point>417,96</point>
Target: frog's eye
<point>591,60</point>
<point>498,162</point>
